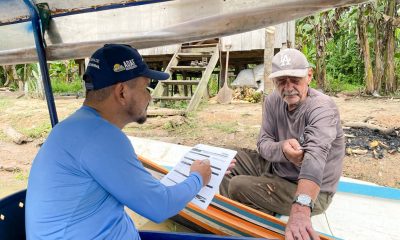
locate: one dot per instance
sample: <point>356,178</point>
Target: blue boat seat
<point>12,216</point>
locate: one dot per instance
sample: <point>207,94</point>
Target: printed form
<point>220,158</point>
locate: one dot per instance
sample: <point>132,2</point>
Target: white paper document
<point>220,158</point>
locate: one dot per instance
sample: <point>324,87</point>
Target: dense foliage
<point>336,36</point>
<point>64,77</point>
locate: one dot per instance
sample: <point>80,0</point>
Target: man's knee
<point>238,187</point>
<point>322,203</point>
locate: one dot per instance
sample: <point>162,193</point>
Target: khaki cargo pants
<point>253,183</point>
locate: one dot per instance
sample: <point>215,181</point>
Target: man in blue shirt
<point>87,170</point>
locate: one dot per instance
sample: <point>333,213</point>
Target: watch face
<point>304,199</point>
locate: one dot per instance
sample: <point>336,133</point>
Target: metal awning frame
<point>40,49</point>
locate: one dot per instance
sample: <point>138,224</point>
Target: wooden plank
<point>187,68</point>
<point>190,54</point>
<point>193,55</point>
<point>208,225</point>
<point>202,87</point>
<point>160,89</point>
<point>178,98</point>
<point>169,49</point>
<point>180,82</point>
<point>209,45</point>
<point>220,218</point>
<point>164,112</point>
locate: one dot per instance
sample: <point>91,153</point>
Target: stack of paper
<point>220,159</point>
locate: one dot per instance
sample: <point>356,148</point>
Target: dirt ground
<point>235,124</point>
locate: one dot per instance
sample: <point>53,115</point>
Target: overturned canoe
<point>79,27</point>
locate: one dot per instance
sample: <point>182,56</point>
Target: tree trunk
<point>222,71</point>
<point>4,74</point>
<point>8,74</point>
<point>66,63</point>
<point>378,71</point>
<point>268,54</point>
<point>16,78</point>
<point>39,84</point>
<point>362,25</point>
<point>389,75</point>
<point>320,67</point>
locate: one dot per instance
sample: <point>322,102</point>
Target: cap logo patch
<point>94,62</point>
<point>130,64</point>
<point>93,65</point>
<point>118,68</point>
<point>285,60</point>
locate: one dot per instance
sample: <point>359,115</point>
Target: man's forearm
<point>308,187</point>
<point>300,215</point>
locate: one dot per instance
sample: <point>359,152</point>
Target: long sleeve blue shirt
<point>84,175</point>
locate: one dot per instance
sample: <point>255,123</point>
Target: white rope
<point>329,226</point>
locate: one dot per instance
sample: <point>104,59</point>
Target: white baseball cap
<point>289,62</point>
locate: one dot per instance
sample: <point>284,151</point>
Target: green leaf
<point>307,27</point>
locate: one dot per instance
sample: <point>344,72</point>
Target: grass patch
<point>336,86</point>
<point>176,104</point>
<point>4,103</point>
<point>203,104</point>
<point>3,137</point>
<point>188,128</point>
<point>169,126</point>
<point>21,175</point>
<point>39,131</point>
<point>213,85</point>
<point>179,127</point>
<point>230,127</point>
<point>66,87</point>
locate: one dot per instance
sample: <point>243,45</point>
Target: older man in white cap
<point>300,150</point>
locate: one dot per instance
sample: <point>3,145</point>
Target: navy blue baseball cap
<point>115,63</point>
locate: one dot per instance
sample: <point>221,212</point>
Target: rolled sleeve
<point>319,135</point>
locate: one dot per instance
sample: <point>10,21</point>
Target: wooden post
<point>268,54</point>
<point>39,84</point>
<point>81,66</point>
<point>222,71</point>
<point>86,62</point>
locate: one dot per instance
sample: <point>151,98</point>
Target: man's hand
<point>231,166</point>
<point>299,225</point>
<point>204,168</point>
<point>292,151</point>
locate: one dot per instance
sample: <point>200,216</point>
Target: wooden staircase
<point>190,69</point>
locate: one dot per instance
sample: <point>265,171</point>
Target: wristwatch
<point>304,200</point>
